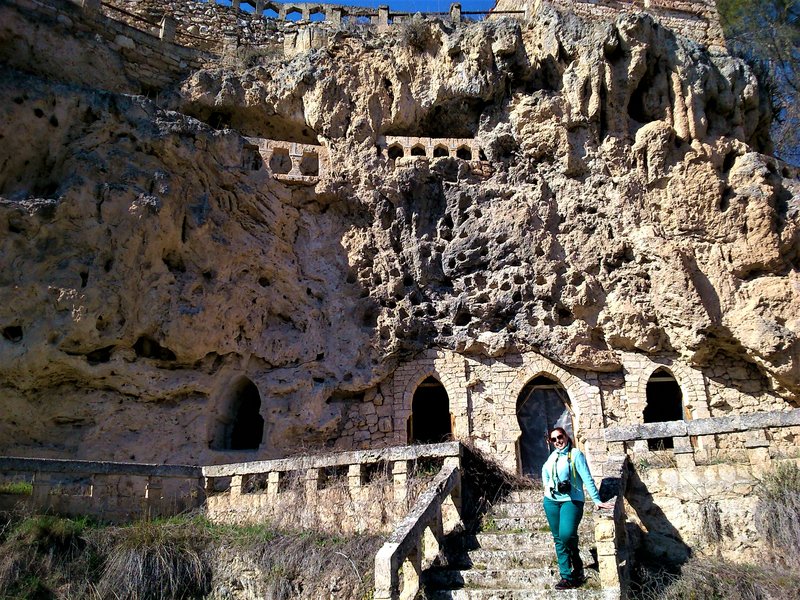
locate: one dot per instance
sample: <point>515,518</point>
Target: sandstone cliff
<point>629,208</point>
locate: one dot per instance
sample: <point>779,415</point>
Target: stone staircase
<point>511,558</point>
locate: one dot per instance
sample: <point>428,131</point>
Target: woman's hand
<point>608,504</point>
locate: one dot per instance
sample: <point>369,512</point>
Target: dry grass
<point>778,513</point>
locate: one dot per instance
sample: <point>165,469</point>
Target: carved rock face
<point>146,269</point>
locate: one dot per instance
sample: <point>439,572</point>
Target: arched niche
<point>542,404</point>
<point>395,151</point>
<point>664,403</point>
<point>464,153</point>
<point>431,421</point>
<point>440,150</point>
<point>418,150</point>
<point>239,425</point>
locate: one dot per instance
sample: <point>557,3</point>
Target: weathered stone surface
<point>145,271</point>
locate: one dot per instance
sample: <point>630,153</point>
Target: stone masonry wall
<point>483,394</point>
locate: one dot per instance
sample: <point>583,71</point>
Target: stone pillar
<point>683,452</point>
<point>168,28</point>
<point>91,5</point>
<point>400,480</point>
<point>235,4</point>
<point>273,485</point>
<point>604,535</point>
<point>383,17</point>
<point>311,485</point>
<point>305,13</point>
<point>412,569</point>
<point>237,483</point>
<point>40,496</point>
<point>455,12</point>
<point>430,539</point>
<point>259,7</point>
<point>757,446</point>
<point>296,156</point>
<point>334,15</point>
<point>354,478</point>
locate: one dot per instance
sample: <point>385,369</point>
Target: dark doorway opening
<point>664,403</point>
<point>241,426</point>
<point>541,405</point>
<point>430,421</point>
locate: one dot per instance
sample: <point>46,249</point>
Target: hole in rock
<point>395,151</point>
<point>13,333</point>
<point>281,162</point>
<point>146,347</point>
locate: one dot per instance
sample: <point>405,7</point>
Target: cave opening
<point>430,421</point>
<point>664,403</point>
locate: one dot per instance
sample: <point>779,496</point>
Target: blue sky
<point>406,5</point>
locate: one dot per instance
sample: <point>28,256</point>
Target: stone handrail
<point>417,539</point>
<point>111,490</point>
<point>709,426</point>
<point>403,146</point>
<point>681,432</point>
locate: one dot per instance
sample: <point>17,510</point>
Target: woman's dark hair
<point>560,430</point>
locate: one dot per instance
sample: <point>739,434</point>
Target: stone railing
<point>754,426</point>
<point>406,148</point>
<point>112,491</point>
<point>290,162</point>
<point>613,560</point>
<point>416,541</point>
<point>344,492</point>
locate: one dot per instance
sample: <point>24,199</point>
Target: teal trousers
<point>564,518</point>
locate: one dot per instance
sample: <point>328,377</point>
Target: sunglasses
<point>557,438</point>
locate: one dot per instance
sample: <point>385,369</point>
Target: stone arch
<point>690,382</point>
<point>464,153</point>
<point>395,151</point>
<point>316,12</point>
<point>309,164</point>
<point>582,399</point>
<point>271,10</point>
<point>447,368</point>
<point>238,424</point>
<point>431,420</point>
<point>664,403</point>
<point>418,150</point>
<point>440,150</point>
<point>290,10</point>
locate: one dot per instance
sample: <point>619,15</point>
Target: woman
<point>564,475</point>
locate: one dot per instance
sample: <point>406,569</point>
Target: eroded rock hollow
<point>622,200</point>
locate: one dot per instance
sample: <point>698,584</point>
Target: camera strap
<point>571,465</point>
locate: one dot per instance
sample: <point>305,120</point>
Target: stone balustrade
<point>112,491</point>
<point>344,492</point>
<point>289,162</point>
<point>613,559</point>
<point>416,541</point>
<point>403,146</point>
<point>753,426</point>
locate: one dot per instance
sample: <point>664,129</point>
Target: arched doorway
<point>542,404</point>
<point>430,420</point>
<point>240,426</point>
<point>664,403</point>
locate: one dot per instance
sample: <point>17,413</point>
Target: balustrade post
<point>430,539</point>
<point>383,17</point>
<point>757,446</point>
<point>412,569</point>
<point>42,483</point>
<point>235,4</point>
<point>455,12</point>
<point>354,478</point>
<point>683,451</point>
<point>260,8</point>
<point>311,485</point>
<point>400,480</point>
<point>296,156</point>
<point>334,15</point>
<point>306,13</point>
<point>605,542</point>
<point>153,496</point>
<point>237,484</point>
<point>169,26</point>
<point>273,485</point>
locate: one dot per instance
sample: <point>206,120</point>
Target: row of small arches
<point>542,404</point>
<point>395,151</point>
<point>291,12</point>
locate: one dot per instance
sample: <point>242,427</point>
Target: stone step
<point>544,556</point>
<point>509,541</point>
<point>511,594</point>
<point>533,496</point>
<point>518,509</point>
<point>524,579</point>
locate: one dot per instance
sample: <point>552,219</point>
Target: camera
<point>562,487</point>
